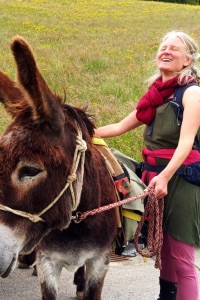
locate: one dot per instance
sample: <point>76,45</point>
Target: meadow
<point>97,52</point>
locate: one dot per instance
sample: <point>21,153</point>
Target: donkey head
<point>36,153</point>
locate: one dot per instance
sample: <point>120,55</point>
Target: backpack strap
<point>176,101</point>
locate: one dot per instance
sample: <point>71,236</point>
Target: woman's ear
<point>188,61</point>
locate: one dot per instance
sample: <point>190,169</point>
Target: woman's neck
<point>166,77</point>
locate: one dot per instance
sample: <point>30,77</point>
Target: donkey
<point>50,172</point>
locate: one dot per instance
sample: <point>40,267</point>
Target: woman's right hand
<point>159,184</point>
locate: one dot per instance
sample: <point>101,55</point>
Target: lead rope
<point>154,214</point>
<point>153,211</point>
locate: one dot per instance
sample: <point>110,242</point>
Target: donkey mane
<point>82,117</point>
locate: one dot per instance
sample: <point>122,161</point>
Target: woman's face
<point>172,57</point>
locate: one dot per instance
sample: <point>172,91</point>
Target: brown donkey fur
<point>36,155</point>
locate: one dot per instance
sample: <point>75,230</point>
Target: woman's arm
<point>189,128</point>
<point>128,123</point>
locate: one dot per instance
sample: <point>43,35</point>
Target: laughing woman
<point>174,146</point>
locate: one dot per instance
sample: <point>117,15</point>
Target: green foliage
<point>100,52</point>
<point>192,2</point>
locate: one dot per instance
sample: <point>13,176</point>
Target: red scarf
<point>155,96</point>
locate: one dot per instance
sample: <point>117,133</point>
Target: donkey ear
<point>10,95</point>
<point>31,82</point>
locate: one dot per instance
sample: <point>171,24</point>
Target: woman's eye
<point>28,172</point>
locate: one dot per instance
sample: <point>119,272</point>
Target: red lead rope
<point>153,211</point>
<point>81,216</point>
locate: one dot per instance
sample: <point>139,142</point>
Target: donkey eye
<point>28,172</point>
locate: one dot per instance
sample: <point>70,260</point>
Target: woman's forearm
<point>110,130</point>
<point>128,123</point>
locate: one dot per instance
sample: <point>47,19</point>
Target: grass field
<point>100,52</point>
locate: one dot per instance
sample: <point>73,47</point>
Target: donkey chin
<point>11,245</point>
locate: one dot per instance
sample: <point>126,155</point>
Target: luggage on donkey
<point>132,211</point>
<point>128,184</point>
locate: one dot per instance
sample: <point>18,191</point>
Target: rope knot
<point>71,178</point>
<point>82,144</point>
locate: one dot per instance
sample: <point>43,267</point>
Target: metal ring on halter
<point>77,218</point>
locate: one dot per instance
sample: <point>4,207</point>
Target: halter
<point>79,157</point>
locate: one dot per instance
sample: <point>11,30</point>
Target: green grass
<point>99,51</point>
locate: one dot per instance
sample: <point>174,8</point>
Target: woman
<point>176,65</point>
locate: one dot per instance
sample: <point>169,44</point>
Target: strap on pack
<point>183,170</point>
<point>119,176</point>
<point>176,101</point>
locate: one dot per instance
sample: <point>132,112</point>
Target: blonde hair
<point>192,51</point>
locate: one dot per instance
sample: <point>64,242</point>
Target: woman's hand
<point>159,183</point>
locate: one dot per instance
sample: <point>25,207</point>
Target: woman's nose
<point>167,50</point>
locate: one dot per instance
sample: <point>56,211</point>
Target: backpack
<point>189,172</point>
